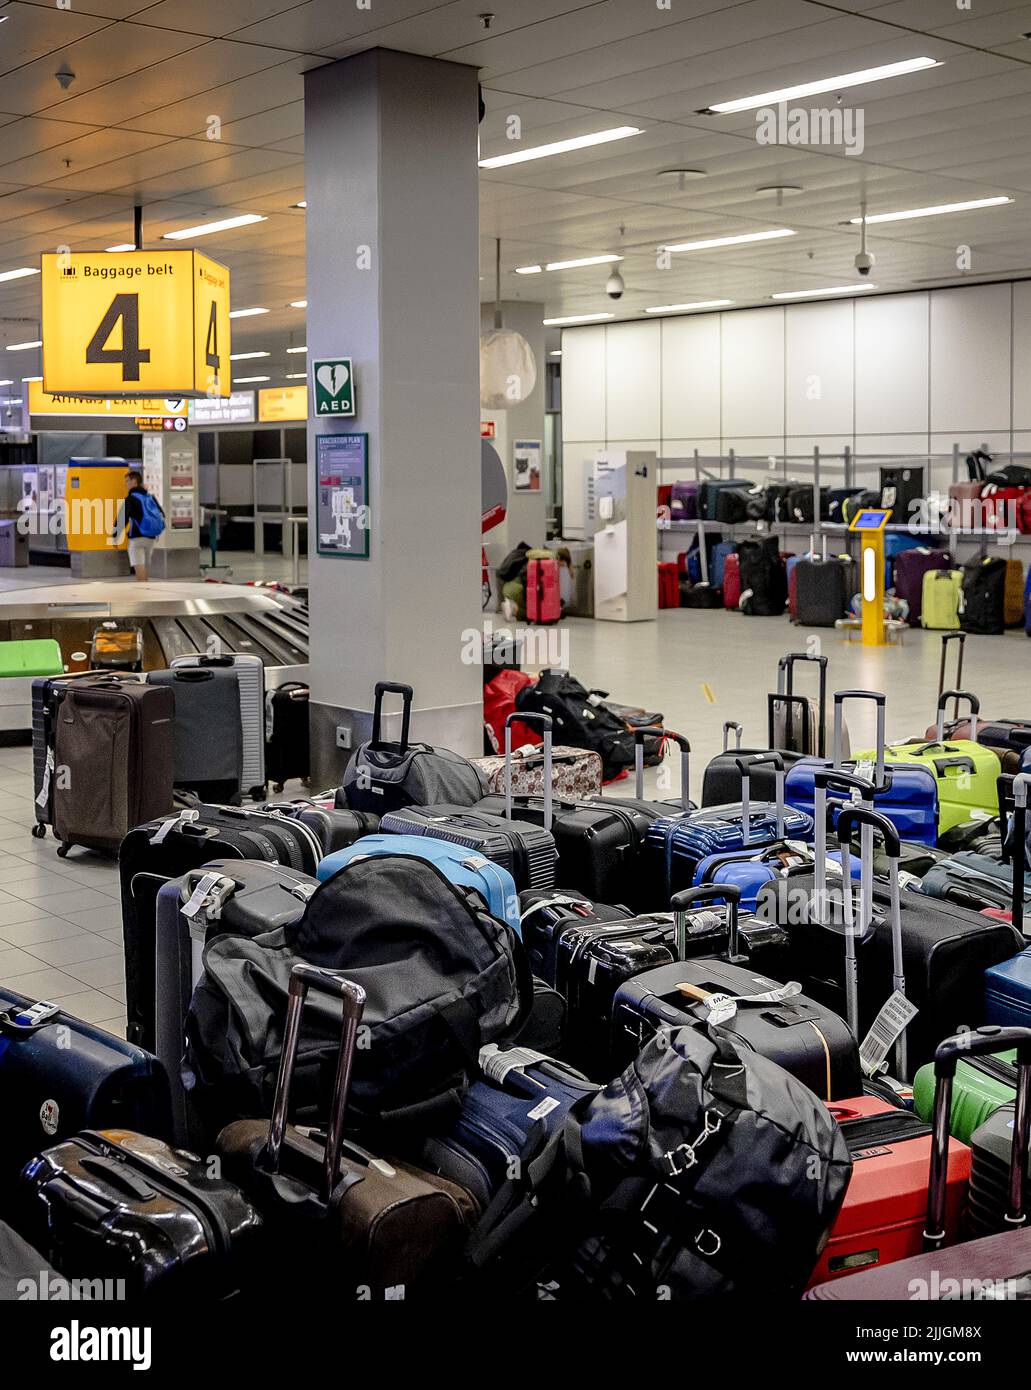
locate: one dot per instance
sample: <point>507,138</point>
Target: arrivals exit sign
<point>333,386</point>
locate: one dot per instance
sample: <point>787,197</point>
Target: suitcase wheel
<point>259,793</point>
<point>62,851</point>
<point>277,786</point>
<point>39,831</point>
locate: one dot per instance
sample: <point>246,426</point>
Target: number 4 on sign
<point>126,308</point>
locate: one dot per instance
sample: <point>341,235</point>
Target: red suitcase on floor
<point>543,604</point>
<point>731,581</point>
<point>896,1233</point>
<point>669,584</point>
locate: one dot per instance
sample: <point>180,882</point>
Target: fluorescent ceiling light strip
<point>244,356</point>
<point>568,265</point>
<point>296,376</point>
<point>23,347</point>
<point>239,379</point>
<point>18,274</point>
<point>932,211</point>
<point>245,313</point>
<point>206,228</point>
<point>32,378</point>
<point>298,349</point>
<point>578,142</point>
<point>527,270</point>
<point>728,240</point>
<point>122,246</point>
<point>830,289</point>
<point>575,318</point>
<point>298,304</point>
<point>825,84</point>
<point>700,304</point>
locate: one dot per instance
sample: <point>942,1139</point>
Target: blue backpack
<point>151,523</point>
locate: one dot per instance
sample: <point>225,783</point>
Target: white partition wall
<point>889,374</point>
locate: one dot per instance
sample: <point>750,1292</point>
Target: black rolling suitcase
<point>227,897</point>
<point>335,826</point>
<point>598,841</point>
<point>823,589</point>
<point>167,848</point>
<point>207,747</point>
<point>114,1204</point>
<point>775,1020</point>
<point>526,851</point>
<point>59,1075</point>
<point>287,743</point>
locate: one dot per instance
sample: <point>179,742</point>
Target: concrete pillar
<point>393,284</point>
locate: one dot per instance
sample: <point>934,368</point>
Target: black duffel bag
<point>580,719</point>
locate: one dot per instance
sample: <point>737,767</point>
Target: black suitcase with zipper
<point>528,853</point>
<point>114,1204</point>
<point>287,741</point>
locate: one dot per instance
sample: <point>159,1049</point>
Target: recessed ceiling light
<point>680,308</point>
<point>122,246</point>
<point>243,356</point>
<point>526,270</point>
<point>556,353</point>
<point>568,265</point>
<point>245,313</point>
<point>822,84</point>
<point>575,318</point>
<point>206,228</point>
<point>711,242</point>
<point>829,289</point>
<point>681,175</point>
<point>297,376</point>
<point>930,212</point>
<point>18,274</point>
<point>578,142</point>
<point>303,348</point>
<point>242,380</point>
<point>298,304</point>
<point>302,204</point>
<point>32,378</point>
<point>23,347</point>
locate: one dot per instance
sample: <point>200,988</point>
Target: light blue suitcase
<point>459,865</point>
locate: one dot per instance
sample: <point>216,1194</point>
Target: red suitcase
<point>1002,507</point>
<point>731,582</point>
<point>994,1257</point>
<point>669,584</point>
<point>543,604</point>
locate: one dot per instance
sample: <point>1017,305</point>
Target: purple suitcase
<point>910,568</point>
<point>683,502</point>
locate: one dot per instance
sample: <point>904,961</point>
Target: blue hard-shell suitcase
<point>675,847</point>
<point>911,803</point>
<point>1007,991</point>
<point>459,865</point>
<point>506,1118</point>
<point>60,1075</point>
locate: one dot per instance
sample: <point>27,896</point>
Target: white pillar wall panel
<point>583,384</point>
<point>753,373</point>
<point>818,369</point>
<point>1021,358</point>
<point>633,382</point>
<point>690,378</point>
<point>891,365</point>
<point>970,359</point>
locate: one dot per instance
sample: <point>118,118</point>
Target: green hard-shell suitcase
<point>36,656</point>
<point>982,1085</point>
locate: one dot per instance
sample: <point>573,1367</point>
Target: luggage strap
<point>211,894</point>
<point>43,797</point>
<point>557,900</point>
<point>171,823</point>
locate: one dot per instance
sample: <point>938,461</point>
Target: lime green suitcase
<point>38,656</point>
<point>940,599</point>
<point>982,1085</point>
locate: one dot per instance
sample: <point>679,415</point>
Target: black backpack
<point>984,596</point>
<point>580,719</point>
<point>704,1170</point>
<point>1011,475</point>
<point>442,978</point>
<point>764,584</point>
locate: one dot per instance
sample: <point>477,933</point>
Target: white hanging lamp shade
<point>508,369</point>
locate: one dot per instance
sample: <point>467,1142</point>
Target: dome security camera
<point>865,262</point>
<point>614,285</point>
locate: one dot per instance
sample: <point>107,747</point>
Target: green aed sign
<point>333,386</point>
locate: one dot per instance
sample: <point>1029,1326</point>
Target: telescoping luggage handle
<point>793,703</point>
<point>957,696</point>
<point>846,783</point>
<point>974,1044</point>
<point>682,902</point>
<point>850,817</point>
<point>685,762</point>
<point>948,637</point>
<point>786,686</point>
<point>407,695</point>
<point>304,977</point>
<point>840,696</point>
<point>545,724</point>
<point>731,726</point>
<point>1018,846</point>
<point>744,766</point>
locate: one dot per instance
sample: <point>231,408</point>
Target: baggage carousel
<point>177,619</point>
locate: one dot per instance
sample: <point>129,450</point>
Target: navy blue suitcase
<point>59,1076</point>
<point>1007,986</point>
<point>504,1119</point>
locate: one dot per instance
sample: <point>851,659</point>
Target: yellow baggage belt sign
<point>282,403</point>
<point>135,323</point>
<point>55,403</point>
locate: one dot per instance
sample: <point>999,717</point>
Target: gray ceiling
<point>132,126</point>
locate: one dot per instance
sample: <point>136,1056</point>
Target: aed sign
<point>333,380</point>
<point>127,324</point>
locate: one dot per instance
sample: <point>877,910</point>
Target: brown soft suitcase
<point>112,761</point>
<point>363,1223</point>
<point>1014,593</point>
<point>978,1269</point>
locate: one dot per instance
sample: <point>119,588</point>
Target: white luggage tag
<point>211,894</point>
<point>722,1007</point>
<point>889,1025</point>
<point>171,823</point>
<point>48,772</point>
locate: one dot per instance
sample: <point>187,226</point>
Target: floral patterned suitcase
<point>576,772</point>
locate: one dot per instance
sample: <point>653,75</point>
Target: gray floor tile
<point>39,928</point>
<point>106,972</point>
<point>102,920</point>
<point>69,904</point>
<point>44,983</point>
<point>43,883</point>
<point>18,911</point>
<point>15,961</point>
<point>90,1005</point>
<point>116,991</point>
<point>116,1026</point>
<point>86,946</point>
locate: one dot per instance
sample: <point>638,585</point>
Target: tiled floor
<point>60,920</point>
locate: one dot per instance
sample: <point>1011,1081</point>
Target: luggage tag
<point>173,823</point>
<point>211,894</point>
<point>889,1025</point>
<point>496,1063</point>
<point>48,772</point>
<point>722,1007</point>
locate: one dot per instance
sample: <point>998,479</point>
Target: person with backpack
<point>142,513</point>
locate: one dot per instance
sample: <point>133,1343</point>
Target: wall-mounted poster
<point>342,502</point>
<point>526,465</point>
